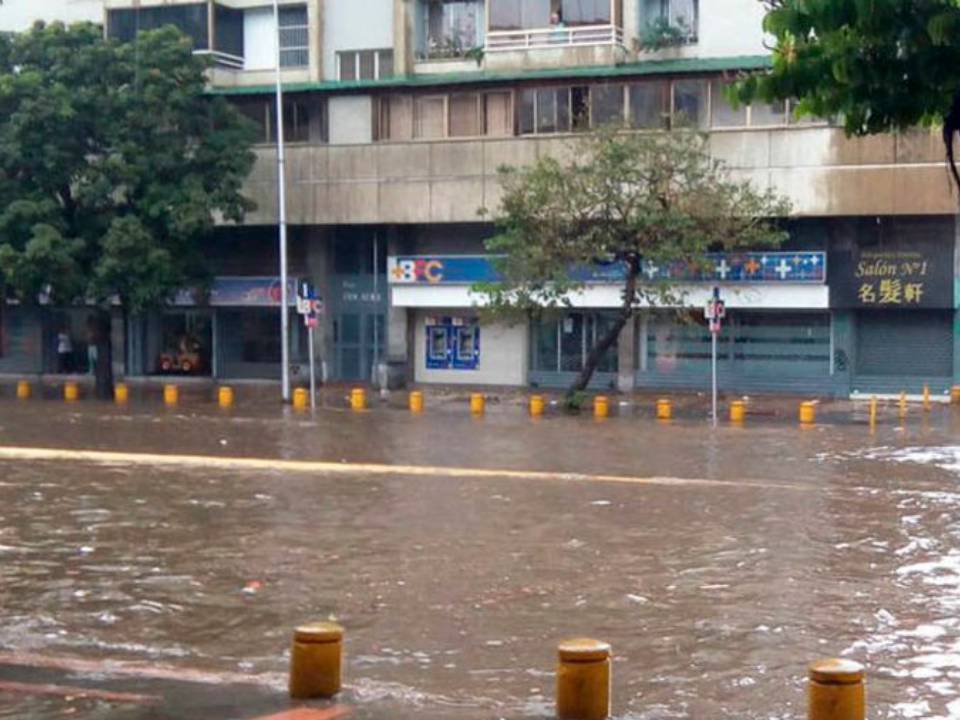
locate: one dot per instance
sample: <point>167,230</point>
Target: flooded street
<point>454,587</point>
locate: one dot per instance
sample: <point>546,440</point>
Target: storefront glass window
<point>562,344</point>
<point>186,339</point>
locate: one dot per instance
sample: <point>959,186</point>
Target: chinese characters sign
<point>918,277</point>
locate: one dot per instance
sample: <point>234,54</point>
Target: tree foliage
<point>115,163</point>
<point>622,200</point>
<point>879,65</point>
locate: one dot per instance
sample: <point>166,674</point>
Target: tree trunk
<point>103,371</point>
<point>606,342</point>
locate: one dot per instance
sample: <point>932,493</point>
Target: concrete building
<point>399,113</point>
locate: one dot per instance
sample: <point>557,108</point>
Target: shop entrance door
<point>358,305</point>
<point>359,342</point>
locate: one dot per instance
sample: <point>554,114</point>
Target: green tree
<point>623,200</point>
<point>115,164</point>
<point>879,65</point>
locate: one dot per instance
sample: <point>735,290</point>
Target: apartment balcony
<point>553,38</point>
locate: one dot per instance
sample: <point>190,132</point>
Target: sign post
<point>310,307</point>
<point>715,312</point>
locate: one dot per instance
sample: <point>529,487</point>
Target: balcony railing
<point>222,59</point>
<point>579,36</point>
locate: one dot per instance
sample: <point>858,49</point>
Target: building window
<point>584,12</point>
<point>395,117</point>
<point>690,98</point>
<point>520,14</point>
<point>364,64</point>
<point>304,118</point>
<point>606,105</point>
<point>451,28</point>
<point>428,117</point>
<point>192,20</point>
<point>464,115</point>
<point>498,114</point>
<point>293,34</point>
<point>649,106</point>
<point>679,17</point>
<point>562,344</point>
<point>722,111</point>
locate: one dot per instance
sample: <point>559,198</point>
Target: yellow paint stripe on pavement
<point>212,462</point>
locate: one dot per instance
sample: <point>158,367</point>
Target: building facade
<point>399,112</point>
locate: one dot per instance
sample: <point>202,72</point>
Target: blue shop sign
<point>744,267</point>
<point>243,292</point>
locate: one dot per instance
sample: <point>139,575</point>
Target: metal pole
<point>376,309</point>
<point>313,371</point>
<point>714,363</point>
<point>282,220</point>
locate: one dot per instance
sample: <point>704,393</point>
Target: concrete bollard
<point>121,393</point>
<point>903,404</point>
<point>926,397</point>
<point>225,397</point>
<point>358,399</point>
<point>537,406</point>
<point>71,392</point>
<point>315,661</point>
<point>601,406</point>
<point>955,395</point>
<point>478,403</point>
<point>836,690</point>
<point>873,411</point>
<point>301,399</point>
<point>24,390</point>
<point>738,411</point>
<point>664,409</point>
<point>171,395</point>
<point>583,680</point>
<point>808,413</point>
<point>416,401</point>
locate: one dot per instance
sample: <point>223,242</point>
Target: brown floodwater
<point>454,591</point>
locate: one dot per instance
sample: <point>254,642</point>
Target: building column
<point>398,342</point>
<point>627,357</point>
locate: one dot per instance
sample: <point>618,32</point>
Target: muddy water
<point>454,591</point>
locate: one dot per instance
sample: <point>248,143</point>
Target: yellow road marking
<point>210,462</point>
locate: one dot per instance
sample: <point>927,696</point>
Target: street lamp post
<point>282,221</point>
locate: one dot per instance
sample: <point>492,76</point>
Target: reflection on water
<point>454,592</point>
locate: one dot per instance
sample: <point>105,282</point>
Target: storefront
<point>893,281</point>
<point>778,336</point>
<point>21,339</point>
<point>235,334</point>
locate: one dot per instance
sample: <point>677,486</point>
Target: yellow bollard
<point>903,405</point>
<point>71,392</point>
<point>358,399</point>
<point>836,691</point>
<point>121,393</point>
<point>808,413</point>
<point>171,395</point>
<point>664,409</point>
<point>24,390</point>
<point>583,680</point>
<point>738,411</point>
<point>225,397</point>
<point>478,403</point>
<point>926,396</point>
<point>315,661</point>
<point>601,406</point>
<point>416,401</point>
<point>955,395</point>
<point>301,399</point>
<point>536,405</point>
